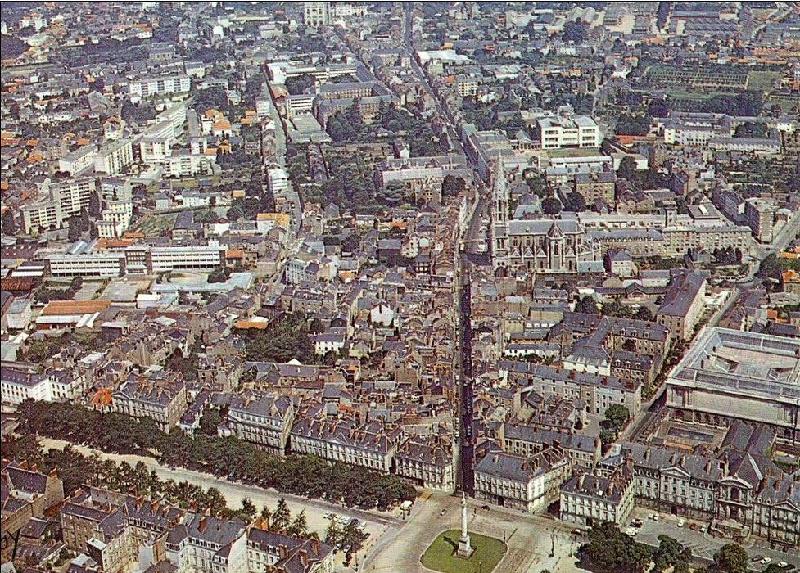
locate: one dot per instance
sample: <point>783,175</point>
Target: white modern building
<point>567,130</point>
<point>159,86</point>
<point>114,157</point>
<point>59,201</point>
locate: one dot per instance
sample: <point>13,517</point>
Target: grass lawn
<point>155,224</point>
<point>441,554</point>
<point>762,80</point>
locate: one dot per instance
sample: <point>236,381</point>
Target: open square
<point>441,554</point>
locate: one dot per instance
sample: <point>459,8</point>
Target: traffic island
<point>442,555</point>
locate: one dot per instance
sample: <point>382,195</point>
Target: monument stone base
<point>465,548</point>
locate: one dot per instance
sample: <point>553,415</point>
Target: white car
<point>766,560</point>
<point>632,531</point>
<point>654,516</point>
<point>681,522</point>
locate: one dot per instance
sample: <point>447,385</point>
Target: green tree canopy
<point>299,84</point>
<point>731,558</point>
<point>617,416</point>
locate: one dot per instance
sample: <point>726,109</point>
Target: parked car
<point>681,522</point>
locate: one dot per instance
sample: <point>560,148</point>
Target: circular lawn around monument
<point>441,554</point>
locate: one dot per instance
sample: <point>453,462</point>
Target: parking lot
<point>703,545</point>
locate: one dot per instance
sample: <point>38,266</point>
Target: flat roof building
<point>746,375</point>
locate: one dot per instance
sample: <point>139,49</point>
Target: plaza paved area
<point>702,544</point>
<point>529,538</point>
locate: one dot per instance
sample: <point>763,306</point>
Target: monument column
<point>465,548</point>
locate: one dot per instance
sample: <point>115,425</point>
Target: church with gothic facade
<point>537,243</point>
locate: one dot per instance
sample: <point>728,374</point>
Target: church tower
<point>499,214</point>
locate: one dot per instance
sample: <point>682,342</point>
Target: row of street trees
<point>230,457</point>
<point>78,471</point>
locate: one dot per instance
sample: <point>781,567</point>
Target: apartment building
<point>27,494</point>
<point>426,461</point>
<point>268,551</point>
<point>594,187</point>
<point>589,498</point>
<point>598,392</point>
<point>163,400</point>
<point>114,157</point>
<point>683,304</point>
<point>524,440</point>
<point>185,164</point>
<point>157,141</point>
<point>75,162</point>
<point>372,445</point>
<point>115,219</point>
<point>144,88</point>
<point>278,180</point>
<point>524,483</point>
<point>20,384</point>
<point>316,14</point>
<point>760,217</point>
<point>208,544</point>
<point>262,419</point>
<point>59,201</point>
<point>467,86</point>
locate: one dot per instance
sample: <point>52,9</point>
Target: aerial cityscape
<point>400,287</point>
